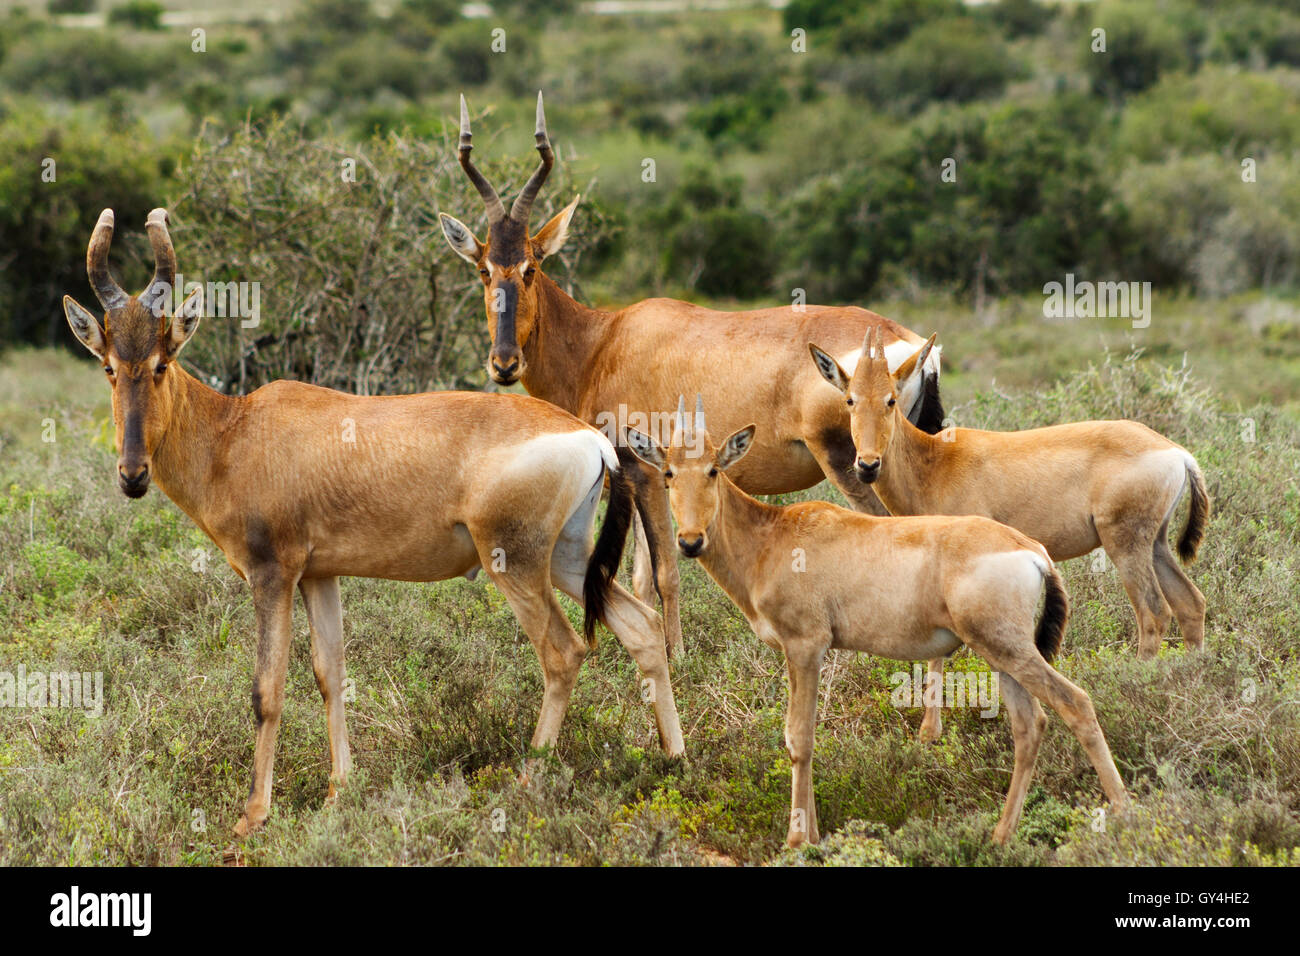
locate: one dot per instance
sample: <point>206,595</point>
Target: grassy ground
<point>447,688</point>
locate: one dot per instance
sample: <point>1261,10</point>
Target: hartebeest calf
<point>1075,487</point>
<point>605,366</point>
<point>811,577</point>
<point>298,485</point>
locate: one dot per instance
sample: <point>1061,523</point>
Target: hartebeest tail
<point>608,553</point>
<point>898,588</point>
<point>1056,613</point>
<point>1198,515</point>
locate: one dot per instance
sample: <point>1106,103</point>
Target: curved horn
<point>680,420</point>
<point>164,261</point>
<point>110,294</point>
<point>496,212</point>
<point>699,414</point>
<point>524,203</point>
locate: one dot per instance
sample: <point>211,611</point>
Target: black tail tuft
<point>1198,516</point>
<point>603,564</point>
<point>929,411</point>
<point>1056,612</point>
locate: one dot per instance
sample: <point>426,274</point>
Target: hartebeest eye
<point>890,402</point>
<point>161,367</point>
<point>482,270</point>
<point>668,473</point>
<point>713,472</point>
<point>108,369</point>
<point>850,399</point>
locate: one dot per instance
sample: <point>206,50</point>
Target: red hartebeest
<point>1075,487</point>
<point>299,485</point>
<point>608,367</point>
<point>811,577</point>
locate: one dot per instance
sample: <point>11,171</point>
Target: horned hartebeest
<point>298,485</point>
<point>811,577</point>
<point>608,366</point>
<point>1113,484</point>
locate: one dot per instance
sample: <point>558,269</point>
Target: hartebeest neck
<point>907,466</point>
<point>737,541</point>
<point>561,349</point>
<point>182,464</point>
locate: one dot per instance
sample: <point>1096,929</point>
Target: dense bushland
<point>1168,157</point>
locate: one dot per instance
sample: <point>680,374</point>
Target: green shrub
<point>57,7</point>
<point>140,14</point>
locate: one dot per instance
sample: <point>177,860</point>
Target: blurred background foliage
<point>773,170</point>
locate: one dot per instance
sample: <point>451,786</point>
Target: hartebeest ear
<point>830,368</point>
<point>646,448</point>
<point>735,447</point>
<point>914,361</point>
<point>464,242</point>
<point>85,327</point>
<point>550,238</point>
<point>184,322</point>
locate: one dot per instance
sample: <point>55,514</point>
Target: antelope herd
<point>299,485</point>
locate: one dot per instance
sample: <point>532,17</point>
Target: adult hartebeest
<point>298,485</point>
<point>608,367</point>
<point>1113,484</point>
<point>811,577</point>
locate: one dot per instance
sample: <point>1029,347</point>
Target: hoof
<point>247,825</point>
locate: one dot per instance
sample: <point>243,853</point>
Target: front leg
<point>804,668</point>
<point>932,723</point>
<point>273,604</point>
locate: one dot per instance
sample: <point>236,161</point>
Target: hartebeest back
<point>811,577</point>
<point>1113,484</point>
<point>299,485</point>
<point>604,365</point>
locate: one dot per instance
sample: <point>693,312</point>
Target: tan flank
<point>750,366</point>
<point>299,485</point>
<point>811,577</point>
<point>1076,487</point>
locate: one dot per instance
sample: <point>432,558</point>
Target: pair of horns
<point>683,425</point>
<point>523,206</point>
<point>873,344</point>
<point>110,294</point>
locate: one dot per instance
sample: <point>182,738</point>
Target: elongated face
<point>692,471</point>
<point>872,396</point>
<point>508,265</point>
<point>137,344</point>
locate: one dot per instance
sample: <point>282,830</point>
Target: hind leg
<point>1131,553</point>
<point>637,626</point>
<point>1027,725</point>
<point>1183,596</point>
<point>325,615</point>
<point>526,585</point>
<point>1027,668</point>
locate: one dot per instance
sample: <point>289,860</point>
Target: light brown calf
<point>299,485</point>
<point>607,365</point>
<point>1113,484</point>
<point>811,577</point>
